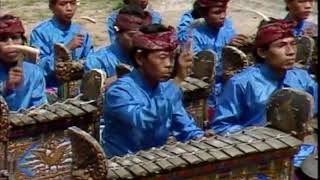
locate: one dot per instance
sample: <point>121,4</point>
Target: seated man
<point>129,20</point>
<point>22,84</point>
<point>243,99</point>
<point>59,29</point>
<point>244,96</point>
<point>299,11</point>
<point>141,108</point>
<point>155,16</point>
<point>216,32</point>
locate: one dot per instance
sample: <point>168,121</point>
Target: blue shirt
<point>205,37</point>
<point>30,93</point>
<point>106,59</point>
<point>156,18</point>
<point>302,25</point>
<point>184,26</point>
<point>139,117</point>
<point>49,32</point>
<point>243,99</point>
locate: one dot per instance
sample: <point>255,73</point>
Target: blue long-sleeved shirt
<point>49,32</point>
<point>29,93</point>
<point>110,20</point>
<point>139,117</point>
<point>302,25</point>
<point>184,26</point>
<point>243,99</point>
<point>107,58</point>
<point>205,37</point>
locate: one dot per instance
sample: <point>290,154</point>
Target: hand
<point>108,82</point>
<point>184,63</point>
<point>76,41</point>
<point>239,40</point>
<point>208,133</point>
<point>14,79</point>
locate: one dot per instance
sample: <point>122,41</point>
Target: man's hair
<point>52,3</point>
<point>126,1</point>
<point>149,29</point>
<point>132,9</point>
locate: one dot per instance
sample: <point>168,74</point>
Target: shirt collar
<point>269,73</point>
<point>57,24</point>
<point>143,84</point>
<point>120,53</point>
<point>298,29</point>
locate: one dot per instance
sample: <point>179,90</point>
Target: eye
<point>4,39</point>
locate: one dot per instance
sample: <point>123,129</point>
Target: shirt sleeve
<point>196,39</point>
<point>88,46</point>
<point>183,26</point>
<point>312,88</point>
<point>38,96</point>
<point>109,26</point>
<point>46,57</point>
<point>120,103</point>
<point>228,109</point>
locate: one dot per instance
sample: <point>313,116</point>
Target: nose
<point>68,6</point>
<point>167,63</point>
<point>308,4</point>
<point>291,50</point>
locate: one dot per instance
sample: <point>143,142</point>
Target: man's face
<point>281,54</point>
<point>64,9</point>
<point>215,17</point>
<point>157,65</point>
<point>8,55</point>
<point>300,9</point>
<point>125,39</point>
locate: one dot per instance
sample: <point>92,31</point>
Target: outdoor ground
<point>245,21</point>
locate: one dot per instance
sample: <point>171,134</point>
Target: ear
<point>262,52</point>
<point>139,58</point>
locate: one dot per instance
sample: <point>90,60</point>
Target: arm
<point>228,109</point>
<point>183,26</point>
<point>87,46</point>
<point>312,88</point>
<point>109,26</point>
<point>38,96</point>
<point>183,126</point>
<point>46,57</point>
<point>126,107</point>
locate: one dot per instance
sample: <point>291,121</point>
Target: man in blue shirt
<point>299,11</point>
<point>242,102</point>
<point>144,4</point>
<point>141,108</point>
<point>128,21</point>
<point>22,84</point>
<point>216,32</point>
<point>59,29</point>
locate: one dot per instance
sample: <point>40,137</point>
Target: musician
<point>144,4</point>
<point>299,11</point>
<point>22,84</point>
<point>59,29</point>
<point>128,21</point>
<point>243,99</point>
<point>141,108</point>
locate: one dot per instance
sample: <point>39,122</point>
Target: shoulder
<point>124,84</point>
<point>46,24</point>
<point>245,75</point>
<point>298,72</point>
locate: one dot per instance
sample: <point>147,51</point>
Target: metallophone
<point>240,155</point>
<point>34,143</point>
